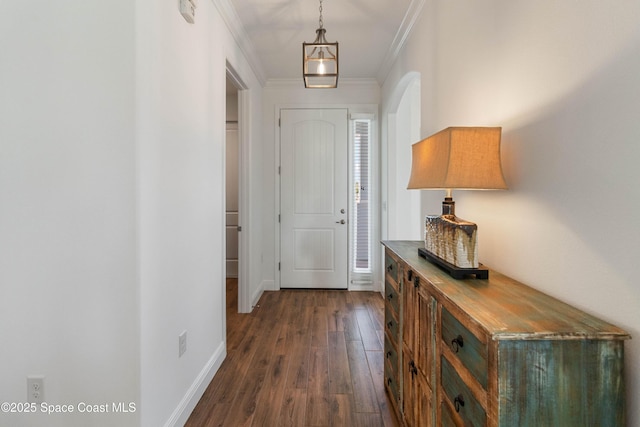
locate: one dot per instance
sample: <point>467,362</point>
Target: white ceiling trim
<point>299,83</point>
<point>410,18</point>
<point>234,24</point>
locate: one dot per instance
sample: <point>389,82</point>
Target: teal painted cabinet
<point>574,382</point>
<point>500,353</point>
<point>392,331</point>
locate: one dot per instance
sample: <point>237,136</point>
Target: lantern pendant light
<point>320,60</point>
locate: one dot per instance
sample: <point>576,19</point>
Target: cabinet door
<point>409,372</point>
<point>425,336</point>
<point>417,399</point>
<point>410,306</point>
<point>417,333</point>
<point>424,414</point>
<point>418,345</point>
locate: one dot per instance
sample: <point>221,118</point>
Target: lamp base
<point>452,239</point>
<point>455,272</point>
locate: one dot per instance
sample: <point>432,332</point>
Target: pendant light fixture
<point>320,60</point>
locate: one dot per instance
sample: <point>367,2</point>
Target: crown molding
<point>237,30</point>
<point>342,83</point>
<point>409,20</point>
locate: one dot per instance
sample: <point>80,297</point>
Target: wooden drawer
<point>392,297</point>
<point>391,324</point>
<point>446,417</point>
<point>460,398</point>
<point>465,346</point>
<point>391,353</point>
<point>391,267</point>
<point>391,383</point>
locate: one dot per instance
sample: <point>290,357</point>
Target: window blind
<point>361,219</point>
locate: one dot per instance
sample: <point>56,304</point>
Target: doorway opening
<point>232,195</point>
<point>236,253</point>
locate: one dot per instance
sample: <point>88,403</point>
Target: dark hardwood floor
<point>301,358</point>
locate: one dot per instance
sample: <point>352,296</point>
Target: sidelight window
<point>361,207</point>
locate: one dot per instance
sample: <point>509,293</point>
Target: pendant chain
<point>320,21</point>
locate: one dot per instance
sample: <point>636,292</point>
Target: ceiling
<point>369,33</point>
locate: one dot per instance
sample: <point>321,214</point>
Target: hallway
<point>302,358</point>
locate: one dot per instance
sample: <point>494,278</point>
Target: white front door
<point>313,198</point>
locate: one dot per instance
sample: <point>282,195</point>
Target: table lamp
<point>461,158</point>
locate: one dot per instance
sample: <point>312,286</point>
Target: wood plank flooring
<point>301,358</point>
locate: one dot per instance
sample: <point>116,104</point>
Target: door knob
<point>340,222</point>
<point>341,210</point>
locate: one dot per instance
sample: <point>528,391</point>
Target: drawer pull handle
<point>409,275</point>
<point>389,354</point>
<point>390,324</point>
<point>458,402</point>
<point>390,297</point>
<point>456,343</point>
<point>389,381</point>
<point>416,282</point>
<point>390,268</point>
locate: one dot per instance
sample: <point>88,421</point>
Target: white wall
<point>403,208</point>
<point>292,94</point>
<point>68,282</point>
<point>111,205</point>
<point>181,76</point>
<point>561,78</point>
<point>181,80</point>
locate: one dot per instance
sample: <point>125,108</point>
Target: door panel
<point>313,198</point>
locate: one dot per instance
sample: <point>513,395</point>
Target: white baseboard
<point>379,286</point>
<point>269,285</point>
<point>360,287</point>
<point>255,297</point>
<point>371,287</point>
<point>197,389</point>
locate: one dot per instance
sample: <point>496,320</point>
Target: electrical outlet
<point>182,343</point>
<point>35,389</point>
